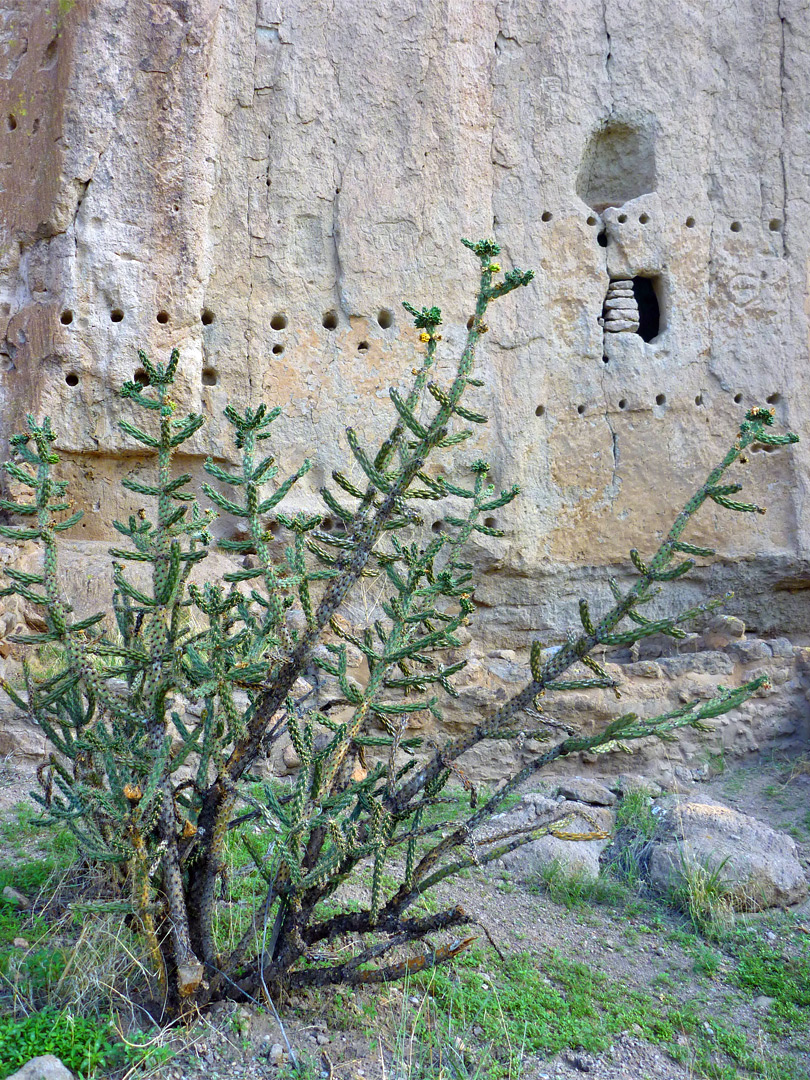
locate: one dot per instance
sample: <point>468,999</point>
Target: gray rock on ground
<point>757,865</point>
<point>579,858</point>
<point>47,1067</point>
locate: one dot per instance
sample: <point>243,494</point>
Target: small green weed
<point>85,1045</point>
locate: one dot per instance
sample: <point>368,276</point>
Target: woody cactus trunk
<point>159,794</point>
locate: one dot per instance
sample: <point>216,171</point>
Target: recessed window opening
<point>385,318</point>
<point>622,218</point>
<point>643,219</point>
<point>491,523</point>
<point>207,317</point>
<point>649,310</point>
<point>471,322</point>
<point>690,223</point>
<point>279,321</point>
<point>592,220</point>
<point>363,346</point>
<point>618,165</point>
<point>699,399</point>
<point>773,399</point>
<point>116,315</point>
<point>330,320</point>
<point>11,122</point>
<point>737,399</point>
<point>605,359</point>
<point>72,379</point>
<point>162,317</point>
<point>210,376</point>
<point>601,238</point>
<point>140,377</point>
<point>546,215</point>
<point>326,524</point>
<point>735,226</point>
<point>436,526</point>
<point>66,318</point>
<point>660,399</point>
<point>540,410</point>
<point>278,350</point>
<point>622,403</point>
<point>774,224</point>
<point>580,409</point>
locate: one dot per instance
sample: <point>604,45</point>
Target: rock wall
<point>260,183</point>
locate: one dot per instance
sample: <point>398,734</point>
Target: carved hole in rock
<point>35,126</point>
<point>385,318</point>
<point>660,399</point>
<point>601,238</point>
<point>162,317</point>
<point>50,53</point>
<point>363,346</point>
<point>546,215</point>
<point>643,219</point>
<point>278,322</point>
<point>690,223</point>
<point>72,379</point>
<point>622,403</point>
<point>737,399</point>
<point>491,523</point>
<point>774,224</point>
<point>66,318</point>
<point>580,409</point>
<point>437,526</point>
<point>330,320</point>
<point>278,350</point>
<point>275,528</point>
<point>618,165</point>
<point>140,377</point>
<point>699,399</point>
<point>773,399</point>
<point>207,317</point>
<point>210,376</point>
<point>116,315</point>
<point>621,218</point>
<point>592,220</point>
<point>645,290</point>
<point>326,524</point>
<point>540,410</point>
<point>471,322</point>
<point>735,226</point>
<point>605,359</point>
<point>11,122</point>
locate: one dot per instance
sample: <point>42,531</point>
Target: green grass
<point>88,1046</point>
<point>541,1008</point>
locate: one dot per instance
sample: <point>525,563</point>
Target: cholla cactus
<point>119,746</point>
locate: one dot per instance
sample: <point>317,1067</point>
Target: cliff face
<point>261,183</point>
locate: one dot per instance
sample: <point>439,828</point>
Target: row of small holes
<point>329,321</point>
<point>660,399</point>
<point>210,377</point>
<point>117,315</point>
<point>490,522</point>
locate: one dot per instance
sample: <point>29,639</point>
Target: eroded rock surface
<point>755,866</point>
<point>260,184</point>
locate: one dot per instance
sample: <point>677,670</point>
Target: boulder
<point>47,1067</point>
<point>579,858</point>
<point>757,865</point>
<point>581,789</point>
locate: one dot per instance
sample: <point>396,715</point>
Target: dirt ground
<point>366,1034</point>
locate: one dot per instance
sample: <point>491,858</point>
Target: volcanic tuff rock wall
<point>260,183</point>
